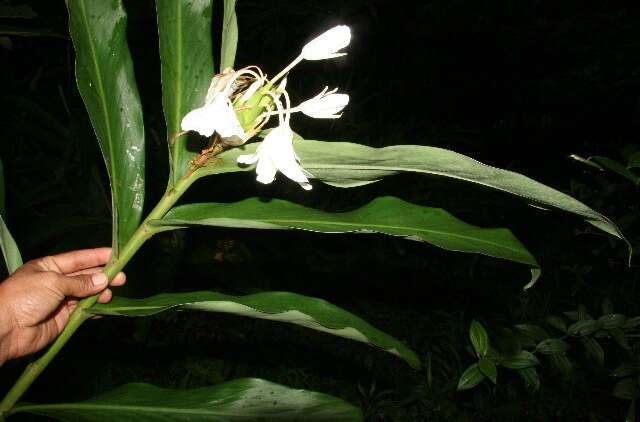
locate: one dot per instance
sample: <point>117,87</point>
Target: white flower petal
<point>327,45</point>
<point>200,120</point>
<point>265,170</point>
<point>217,116</point>
<point>247,159</point>
<point>326,107</point>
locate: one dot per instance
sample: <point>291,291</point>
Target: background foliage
<point>518,86</point>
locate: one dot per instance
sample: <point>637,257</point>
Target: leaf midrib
<point>178,91</point>
<point>103,102</point>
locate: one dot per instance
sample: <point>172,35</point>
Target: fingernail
<point>99,279</point>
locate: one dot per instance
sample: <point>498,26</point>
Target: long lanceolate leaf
<point>309,312</point>
<point>229,43</point>
<point>246,399</point>
<point>386,215</point>
<point>105,78</point>
<point>184,29</point>
<point>345,164</point>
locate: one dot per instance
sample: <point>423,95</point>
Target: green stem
<point>79,315</point>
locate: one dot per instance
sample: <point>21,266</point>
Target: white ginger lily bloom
<point>276,153</point>
<point>216,116</point>
<point>328,45</point>
<point>325,105</point>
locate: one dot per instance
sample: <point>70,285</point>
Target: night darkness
<point>519,85</point>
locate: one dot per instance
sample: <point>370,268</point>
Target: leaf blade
<point>106,81</point>
<point>345,164</point>
<point>387,215</point>
<point>229,43</point>
<point>186,53</point>
<point>313,313</point>
<point>238,400</point>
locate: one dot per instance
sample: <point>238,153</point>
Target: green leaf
<point>246,399</point>
<point>345,164</point>
<point>634,160</point>
<point>229,35</point>
<point>552,346</point>
<point>611,321</point>
<point>562,363</point>
<point>532,331</point>
<point>488,369</point>
<point>583,328</point>
<point>623,370</point>
<point>105,78</point>
<point>594,349</point>
<point>479,339</point>
<point>186,53</point>
<point>557,323</point>
<point>616,167</point>
<point>10,251</point>
<point>524,359</point>
<point>530,377</point>
<point>626,389</point>
<point>386,215</point>
<point>631,323</point>
<point>292,308</point>
<point>471,377</point>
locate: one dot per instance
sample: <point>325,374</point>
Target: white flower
<point>215,116</point>
<point>327,45</point>
<point>276,153</point>
<point>325,105</point>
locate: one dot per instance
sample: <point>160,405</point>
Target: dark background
<point>519,85</point>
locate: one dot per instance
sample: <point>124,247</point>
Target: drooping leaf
<point>246,399</point>
<point>530,377</point>
<point>583,328</point>
<point>611,321</point>
<point>626,389</point>
<point>523,360</point>
<point>616,167</point>
<point>186,53</point>
<point>479,339</point>
<point>386,215</point>
<point>292,308</point>
<point>488,369</point>
<point>471,377</point>
<point>229,35</point>
<point>345,164</point>
<point>552,346</point>
<point>105,78</point>
<point>10,251</point>
<point>594,349</point>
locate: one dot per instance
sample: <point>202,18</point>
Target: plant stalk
<point>80,315</point>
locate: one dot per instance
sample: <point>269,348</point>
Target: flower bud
<point>327,45</point>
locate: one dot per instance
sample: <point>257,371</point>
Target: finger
<point>92,270</point>
<point>74,261</point>
<point>105,296</point>
<point>79,285</point>
<point>118,280</point>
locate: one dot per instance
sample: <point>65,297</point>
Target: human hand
<point>38,298</point>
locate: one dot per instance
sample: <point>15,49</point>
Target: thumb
<point>83,285</point>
